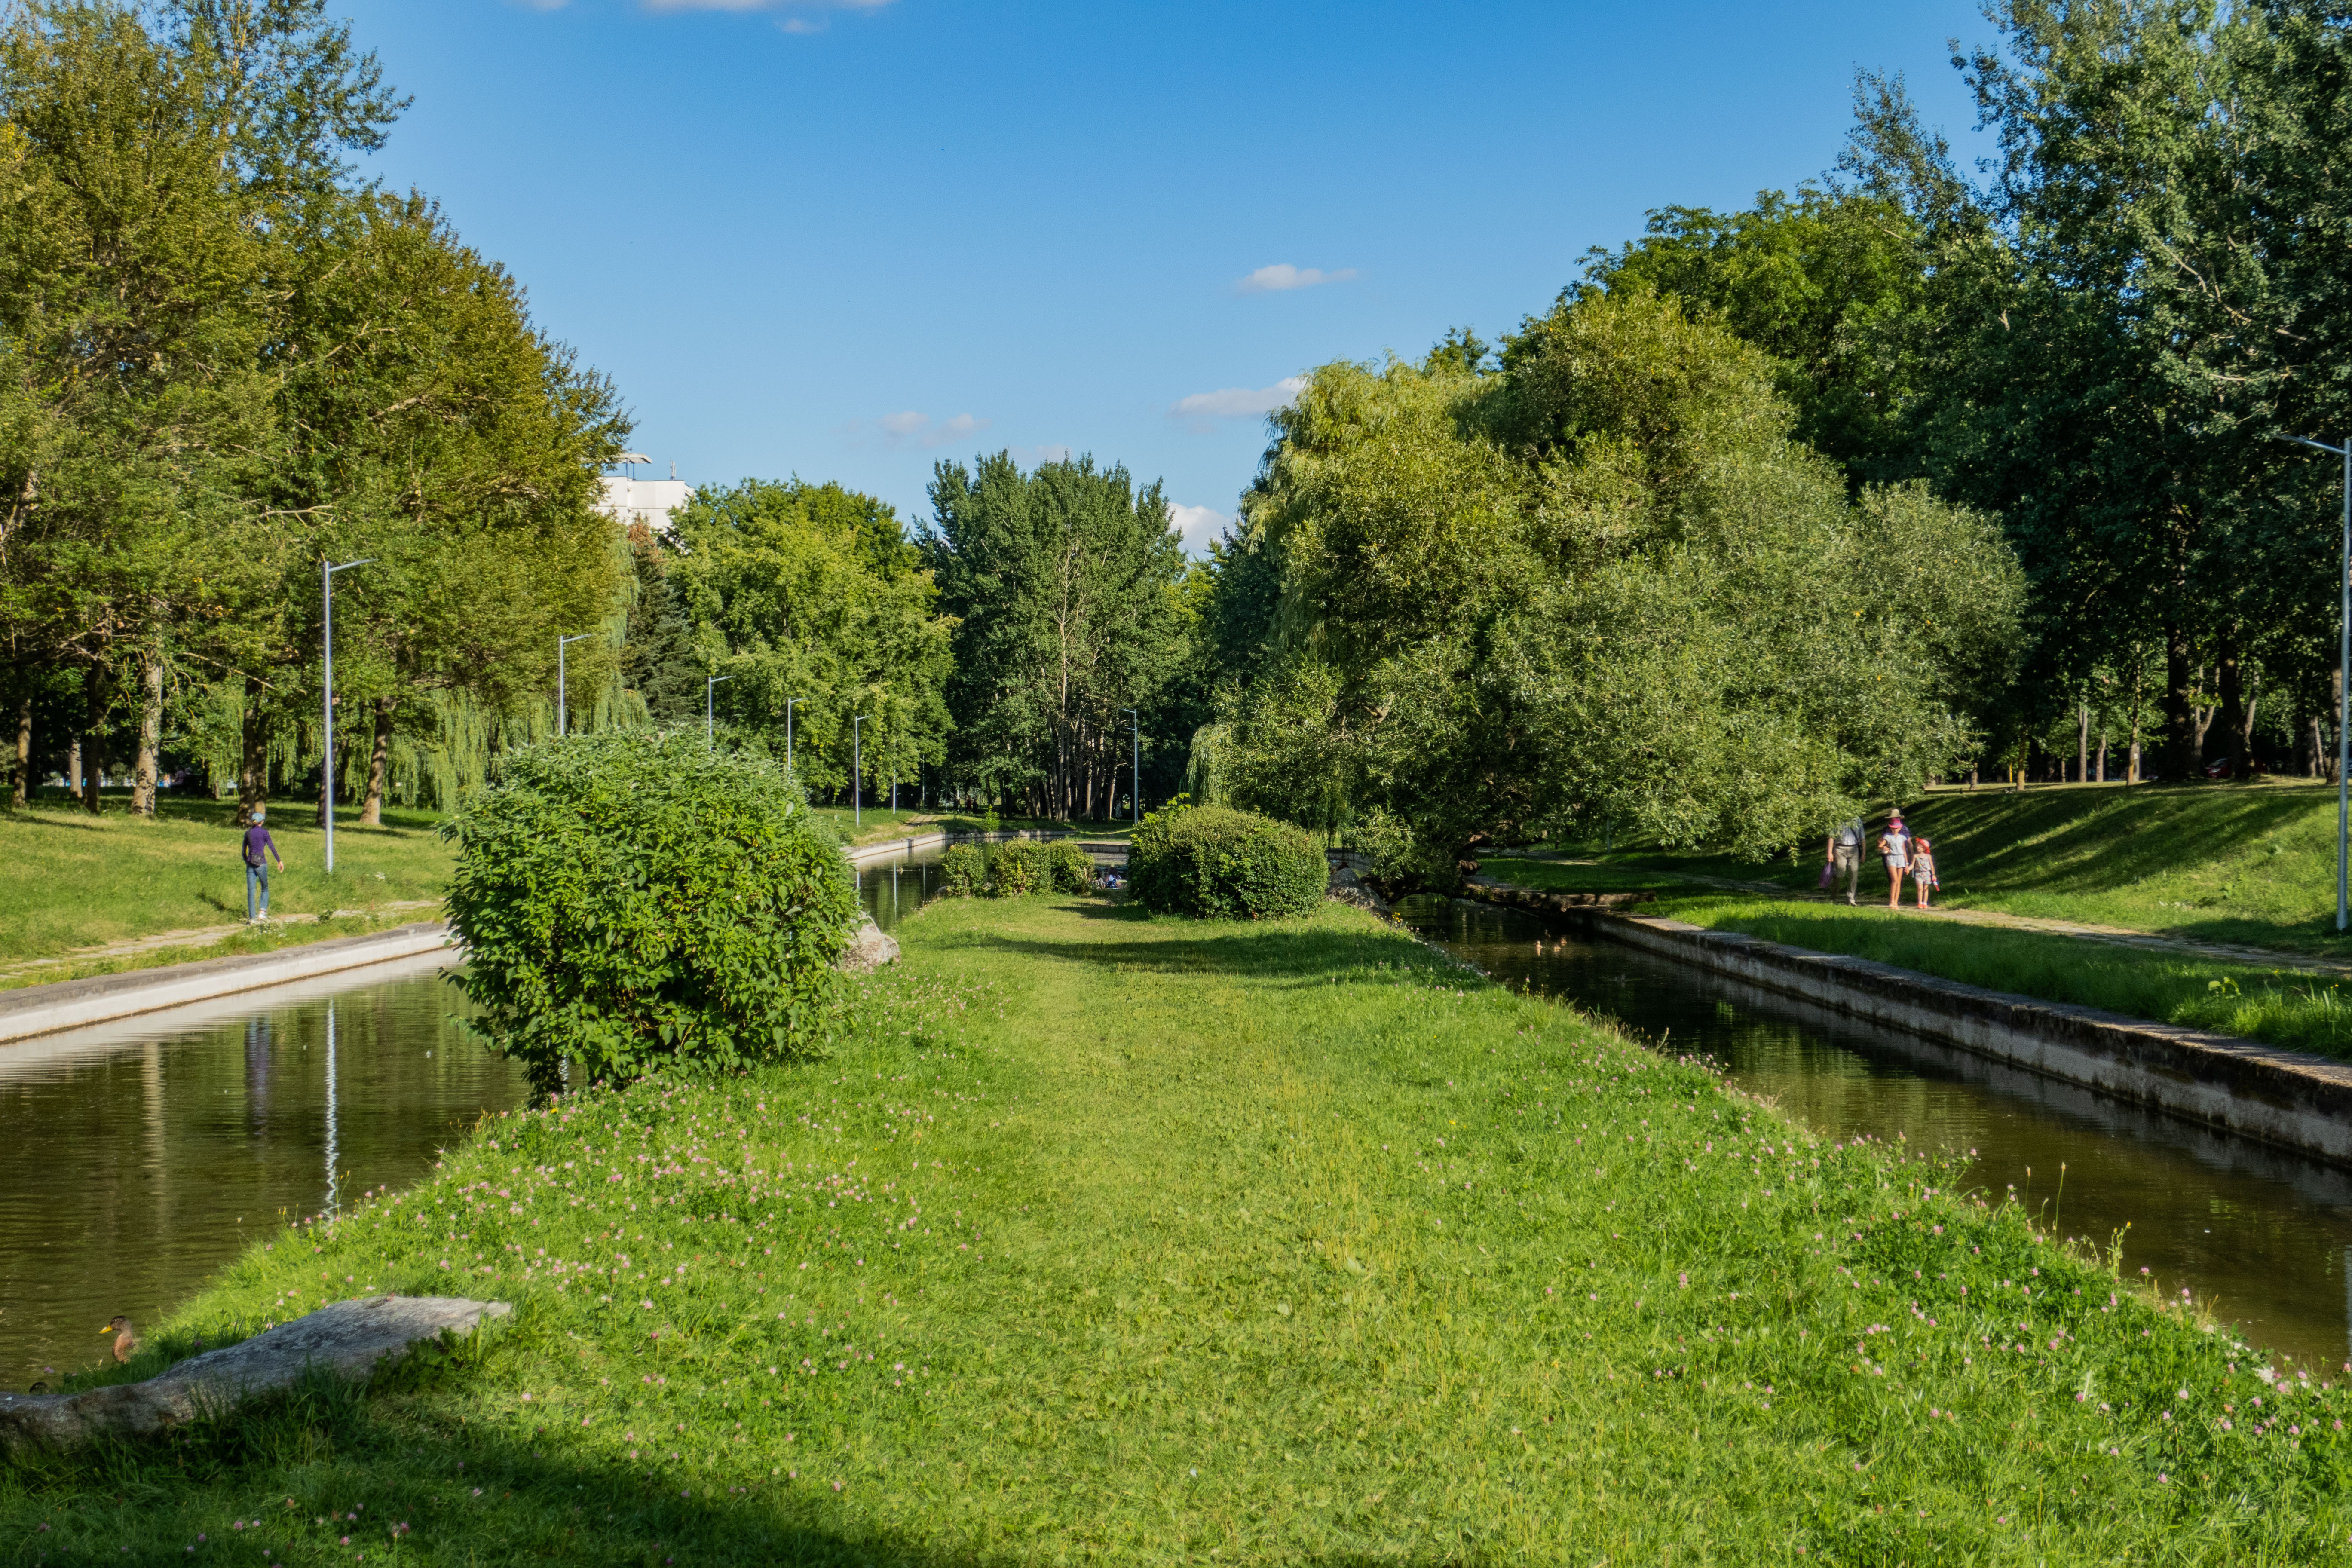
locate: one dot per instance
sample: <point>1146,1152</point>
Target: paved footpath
<point>2188,947</point>
<point>202,936</point>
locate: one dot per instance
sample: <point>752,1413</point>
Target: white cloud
<point>910,428</point>
<point>1196,525</point>
<point>1203,409</point>
<point>1283,276</point>
<point>1049,452</point>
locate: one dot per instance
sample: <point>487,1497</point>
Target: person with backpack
<point>258,844</point>
<point>1841,857</point>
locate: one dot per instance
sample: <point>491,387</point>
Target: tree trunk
<point>2102,757</point>
<point>2232,681</point>
<point>93,746</point>
<point>2139,669</point>
<point>253,757</point>
<point>151,730</point>
<point>2244,739</point>
<point>73,767</point>
<point>2184,738</point>
<point>22,792</point>
<point>2082,746</point>
<point>379,754</point>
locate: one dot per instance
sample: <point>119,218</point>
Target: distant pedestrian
<point>1922,870</point>
<point>257,844</point>
<point>1843,855</point>
<point>1896,845</point>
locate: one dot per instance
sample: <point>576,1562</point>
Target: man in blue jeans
<point>257,843</point>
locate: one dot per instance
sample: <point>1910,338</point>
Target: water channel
<point>134,1156</point>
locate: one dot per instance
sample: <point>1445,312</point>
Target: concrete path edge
<point>70,1003</point>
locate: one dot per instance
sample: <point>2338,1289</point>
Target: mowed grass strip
<point>71,880</point>
<point>1115,1238</point>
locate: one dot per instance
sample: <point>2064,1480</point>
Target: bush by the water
<point>1018,868</point>
<point>1073,869</point>
<point>634,902</point>
<point>1010,870</point>
<point>1218,864</point>
<point>963,870</point>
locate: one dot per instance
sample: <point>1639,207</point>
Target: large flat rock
<point>350,1338</point>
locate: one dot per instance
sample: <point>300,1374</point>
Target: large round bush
<point>1225,865</point>
<point>637,901</point>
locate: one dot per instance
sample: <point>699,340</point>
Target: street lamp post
<point>790,702</point>
<point>1135,799</point>
<point>561,644</point>
<point>710,731</point>
<point>857,770</point>
<point>327,649</point>
<point>2343,691</point>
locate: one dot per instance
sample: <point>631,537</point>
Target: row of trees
<point>225,359</point>
<point>2102,341</point>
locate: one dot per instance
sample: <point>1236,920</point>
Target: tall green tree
<point>809,595</point>
<point>1604,587</point>
<point>1066,584</point>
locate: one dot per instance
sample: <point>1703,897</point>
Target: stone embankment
<point>2289,1098</point>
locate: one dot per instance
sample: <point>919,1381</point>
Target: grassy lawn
<point>1111,1238</point>
<point>2251,863</point>
<point>71,880</point>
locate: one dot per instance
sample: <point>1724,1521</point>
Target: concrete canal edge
<point>70,1003</point>
<point>2284,1098</point>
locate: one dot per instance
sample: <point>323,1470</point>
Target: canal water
<point>134,1156</point>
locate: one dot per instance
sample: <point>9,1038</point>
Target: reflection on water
<point>893,892</point>
<point>138,1155</point>
<point>2263,1235</point>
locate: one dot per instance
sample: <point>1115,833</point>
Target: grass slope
<point>1107,1238</point>
<point>2250,863</point>
<point>71,880</point>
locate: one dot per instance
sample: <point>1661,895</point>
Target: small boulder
<point>868,950</point>
<point>348,1339</point>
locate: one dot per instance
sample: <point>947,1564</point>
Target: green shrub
<point>963,870</point>
<point>1018,868</point>
<point>1218,864</point>
<point>634,902</point>
<point>1072,868</point>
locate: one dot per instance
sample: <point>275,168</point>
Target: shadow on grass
<point>344,1465</point>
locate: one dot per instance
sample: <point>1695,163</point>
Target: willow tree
<point>1602,586</point>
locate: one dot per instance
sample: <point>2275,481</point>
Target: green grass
<point>2250,863</point>
<point>71,880</point>
<point>1113,1239</point>
<point>2303,1012</point>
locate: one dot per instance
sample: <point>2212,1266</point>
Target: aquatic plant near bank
<point>635,901</point>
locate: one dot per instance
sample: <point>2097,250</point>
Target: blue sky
<point>845,241</point>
